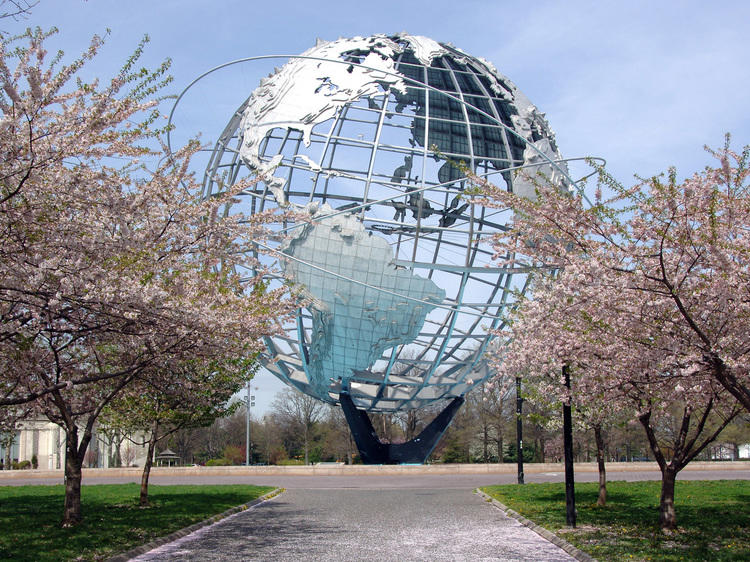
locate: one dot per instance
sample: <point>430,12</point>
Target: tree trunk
<point>307,459</point>
<point>8,460</point>
<point>147,465</point>
<point>485,444</point>
<point>115,441</point>
<point>73,476</point>
<point>500,449</point>
<point>667,514</point>
<point>118,439</point>
<point>681,456</point>
<point>411,425</point>
<point>602,499</point>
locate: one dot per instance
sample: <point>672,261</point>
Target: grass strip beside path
<point>113,521</point>
<point>713,518</point>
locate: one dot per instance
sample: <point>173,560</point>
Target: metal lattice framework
<point>395,257</point>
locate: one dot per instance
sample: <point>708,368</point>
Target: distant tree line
<point>484,431</point>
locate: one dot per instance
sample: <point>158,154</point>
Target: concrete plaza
<point>370,512</point>
<point>365,524</point>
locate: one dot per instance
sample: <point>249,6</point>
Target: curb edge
<point>546,534</point>
<point>173,536</point>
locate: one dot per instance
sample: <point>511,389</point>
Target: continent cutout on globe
<point>361,303</point>
<point>313,88</point>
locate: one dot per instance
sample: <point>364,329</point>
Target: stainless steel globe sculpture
<point>367,137</point>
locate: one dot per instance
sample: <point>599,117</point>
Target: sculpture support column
<point>373,451</point>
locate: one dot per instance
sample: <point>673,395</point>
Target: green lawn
<point>713,518</point>
<point>113,522</point>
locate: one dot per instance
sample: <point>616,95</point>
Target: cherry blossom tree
<point>157,405</point>
<point>684,247</point>
<point>649,303</point>
<point>618,374</point>
<point>542,339</point>
<point>109,271</point>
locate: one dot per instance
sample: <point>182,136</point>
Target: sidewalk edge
<point>137,551</point>
<point>576,553</point>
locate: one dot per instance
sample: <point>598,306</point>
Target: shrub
<point>21,465</point>
<point>277,455</point>
<point>290,462</point>
<point>218,462</point>
<point>34,461</point>
<point>234,454</point>
<point>455,452</point>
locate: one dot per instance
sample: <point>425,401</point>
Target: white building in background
<point>730,451</point>
<point>43,439</point>
<point>46,441</point>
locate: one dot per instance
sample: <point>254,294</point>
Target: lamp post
<point>519,430</point>
<point>570,498</point>
<point>250,401</point>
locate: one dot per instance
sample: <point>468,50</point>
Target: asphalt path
<point>365,524</point>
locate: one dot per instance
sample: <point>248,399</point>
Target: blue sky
<point>642,84</point>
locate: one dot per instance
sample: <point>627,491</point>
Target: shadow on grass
<point>713,518</point>
<point>112,519</point>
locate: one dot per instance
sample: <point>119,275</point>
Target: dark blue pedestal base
<point>372,451</point>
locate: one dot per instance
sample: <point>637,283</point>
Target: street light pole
<point>570,497</point>
<point>519,430</point>
<point>250,401</point>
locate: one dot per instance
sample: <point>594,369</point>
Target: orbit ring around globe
<point>363,137</point>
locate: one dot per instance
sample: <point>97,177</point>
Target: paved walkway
<point>365,524</point>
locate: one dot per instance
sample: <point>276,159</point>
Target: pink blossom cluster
<point>655,280</point>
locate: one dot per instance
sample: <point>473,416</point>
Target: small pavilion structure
<point>168,458</point>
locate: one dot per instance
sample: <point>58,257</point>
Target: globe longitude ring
<point>363,135</point>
